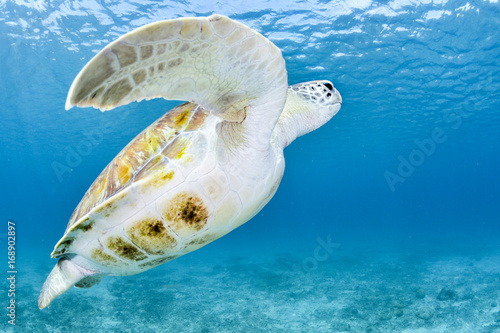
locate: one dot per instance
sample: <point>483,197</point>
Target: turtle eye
<point>328,85</point>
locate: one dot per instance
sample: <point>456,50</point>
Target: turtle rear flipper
<point>64,274</point>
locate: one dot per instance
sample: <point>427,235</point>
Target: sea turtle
<point>205,167</point>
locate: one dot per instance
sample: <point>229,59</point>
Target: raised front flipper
<point>213,61</point>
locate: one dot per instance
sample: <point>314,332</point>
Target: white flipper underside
<point>64,274</point>
<point>213,61</point>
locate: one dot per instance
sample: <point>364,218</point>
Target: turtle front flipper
<point>64,274</point>
<point>218,63</point>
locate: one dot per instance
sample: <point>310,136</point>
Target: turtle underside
<point>125,202</point>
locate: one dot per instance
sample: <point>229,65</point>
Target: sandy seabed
<point>349,290</point>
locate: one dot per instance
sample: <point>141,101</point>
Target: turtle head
<point>308,106</point>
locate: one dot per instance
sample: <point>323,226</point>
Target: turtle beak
<point>335,95</point>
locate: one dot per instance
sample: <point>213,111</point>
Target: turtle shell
<point>152,147</point>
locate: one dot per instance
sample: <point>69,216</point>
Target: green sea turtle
<point>202,169</point>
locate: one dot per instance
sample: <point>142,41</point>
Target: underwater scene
<point>387,214</point>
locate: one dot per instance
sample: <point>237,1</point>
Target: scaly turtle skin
<point>202,169</point>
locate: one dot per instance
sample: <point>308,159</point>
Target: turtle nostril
<point>328,85</point>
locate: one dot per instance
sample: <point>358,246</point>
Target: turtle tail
<point>64,274</point>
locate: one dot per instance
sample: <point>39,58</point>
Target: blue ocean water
<point>387,218</point>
